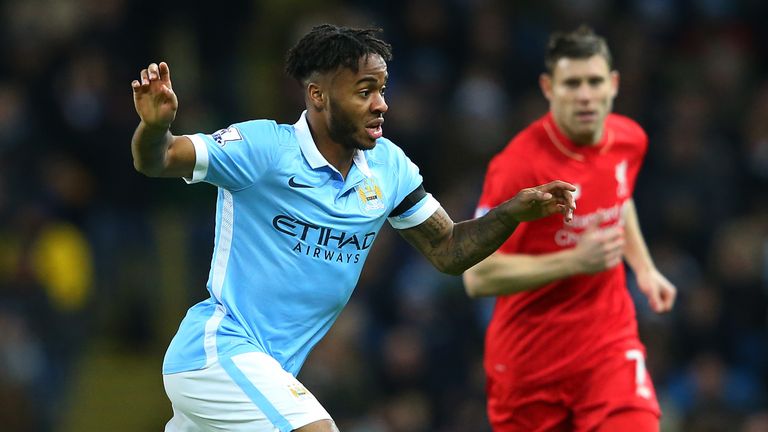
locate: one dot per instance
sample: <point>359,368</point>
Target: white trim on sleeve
<point>201,160</point>
<point>427,209</point>
<point>481,211</point>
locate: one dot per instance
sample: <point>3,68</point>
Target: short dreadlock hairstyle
<point>582,43</point>
<point>326,47</point>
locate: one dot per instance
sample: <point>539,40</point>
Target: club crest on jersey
<point>297,390</point>
<point>622,189</point>
<point>223,136</point>
<point>370,195</point>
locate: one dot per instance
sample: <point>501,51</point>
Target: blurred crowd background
<point>98,264</point>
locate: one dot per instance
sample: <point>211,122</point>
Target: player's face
<point>356,104</point>
<point>580,94</point>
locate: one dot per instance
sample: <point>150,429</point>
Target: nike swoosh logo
<point>292,183</point>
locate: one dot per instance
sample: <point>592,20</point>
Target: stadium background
<point>98,263</point>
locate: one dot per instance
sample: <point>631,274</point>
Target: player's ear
<point>315,96</point>
<point>615,83</point>
<point>545,83</point>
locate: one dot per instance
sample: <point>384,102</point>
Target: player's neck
<point>337,154</point>
<point>581,140</point>
<point>587,140</point>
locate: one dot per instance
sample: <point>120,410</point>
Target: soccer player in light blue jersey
<point>298,209</point>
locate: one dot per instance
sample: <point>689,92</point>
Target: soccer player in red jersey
<point>562,349</point>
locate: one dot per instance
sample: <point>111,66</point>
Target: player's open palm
<point>153,96</point>
<point>599,249</point>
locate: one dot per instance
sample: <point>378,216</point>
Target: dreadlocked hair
<point>581,43</point>
<point>326,47</point>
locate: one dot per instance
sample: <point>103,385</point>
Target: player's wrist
<point>505,213</point>
<point>155,128</point>
<point>645,270</point>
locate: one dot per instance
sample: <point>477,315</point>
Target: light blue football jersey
<point>291,239</point>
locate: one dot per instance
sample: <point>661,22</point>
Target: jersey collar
<point>313,155</point>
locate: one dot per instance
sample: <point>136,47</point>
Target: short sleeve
<point>416,214</point>
<point>408,180</point>
<point>502,181</point>
<point>235,157</point>
<point>507,174</point>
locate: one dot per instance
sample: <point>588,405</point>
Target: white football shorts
<point>247,392</point>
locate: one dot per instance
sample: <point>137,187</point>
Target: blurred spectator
<point>756,134</point>
<point>714,396</point>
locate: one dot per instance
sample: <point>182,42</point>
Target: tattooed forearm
<point>435,227</point>
<point>453,248</point>
<point>473,240</point>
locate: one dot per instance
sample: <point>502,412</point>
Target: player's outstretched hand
<point>542,201</point>
<point>153,96</point>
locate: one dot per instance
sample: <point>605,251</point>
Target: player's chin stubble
<point>342,128</point>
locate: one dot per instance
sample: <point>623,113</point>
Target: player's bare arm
<point>157,152</point>
<point>454,247</point>
<point>661,293</point>
<point>500,274</point>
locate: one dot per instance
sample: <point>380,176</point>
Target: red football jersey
<point>563,327</point>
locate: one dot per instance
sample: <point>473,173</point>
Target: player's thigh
<point>513,408</point>
<point>620,384</point>
<point>630,421</point>
<point>247,392</point>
